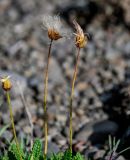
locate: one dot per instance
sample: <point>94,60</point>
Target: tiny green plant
<point>113,146</point>
<point>80,42</point>
<point>36,154</point>
<point>78,157</point>
<point>57,156</point>
<point>52,24</point>
<point>67,155</point>
<point>6,85</point>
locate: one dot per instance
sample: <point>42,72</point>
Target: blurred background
<point>102,102</point>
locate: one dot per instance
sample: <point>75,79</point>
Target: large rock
<point>97,132</point>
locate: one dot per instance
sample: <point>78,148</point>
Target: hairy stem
<point>45,102</point>
<point>12,122</point>
<point>71,98</point>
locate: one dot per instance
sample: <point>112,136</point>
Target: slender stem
<point>12,122</point>
<point>27,112</point>
<point>45,102</point>
<point>71,98</point>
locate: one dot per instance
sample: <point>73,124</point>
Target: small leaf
<point>36,151</point>
<point>4,129</point>
<point>14,154</point>
<point>5,158</point>
<point>67,155</point>
<point>78,157</point>
<point>57,156</point>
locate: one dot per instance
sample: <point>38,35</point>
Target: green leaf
<point>14,154</point>
<point>36,151</point>
<point>4,129</point>
<point>78,157</point>
<point>57,156</point>
<point>5,158</point>
<point>67,155</point>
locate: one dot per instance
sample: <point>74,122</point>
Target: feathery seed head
<point>6,83</point>
<point>80,38</point>
<point>53,25</point>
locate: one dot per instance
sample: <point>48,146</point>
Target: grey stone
<point>7,135</point>
<point>97,130</point>
<point>55,73</point>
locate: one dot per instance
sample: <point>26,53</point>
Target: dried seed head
<point>80,38</point>
<point>53,34</point>
<point>6,83</point>
<point>53,25</point>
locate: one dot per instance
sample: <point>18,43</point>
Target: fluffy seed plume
<point>6,83</point>
<point>53,25</point>
<point>80,38</point>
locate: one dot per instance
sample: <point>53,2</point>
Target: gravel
<point>101,103</point>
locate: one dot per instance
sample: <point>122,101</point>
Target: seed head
<point>53,25</point>
<point>80,38</point>
<point>6,83</point>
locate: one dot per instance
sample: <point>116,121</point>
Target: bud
<point>6,83</point>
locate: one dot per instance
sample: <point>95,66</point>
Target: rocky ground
<point>101,106</point>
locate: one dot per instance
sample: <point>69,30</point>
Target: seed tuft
<point>80,38</point>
